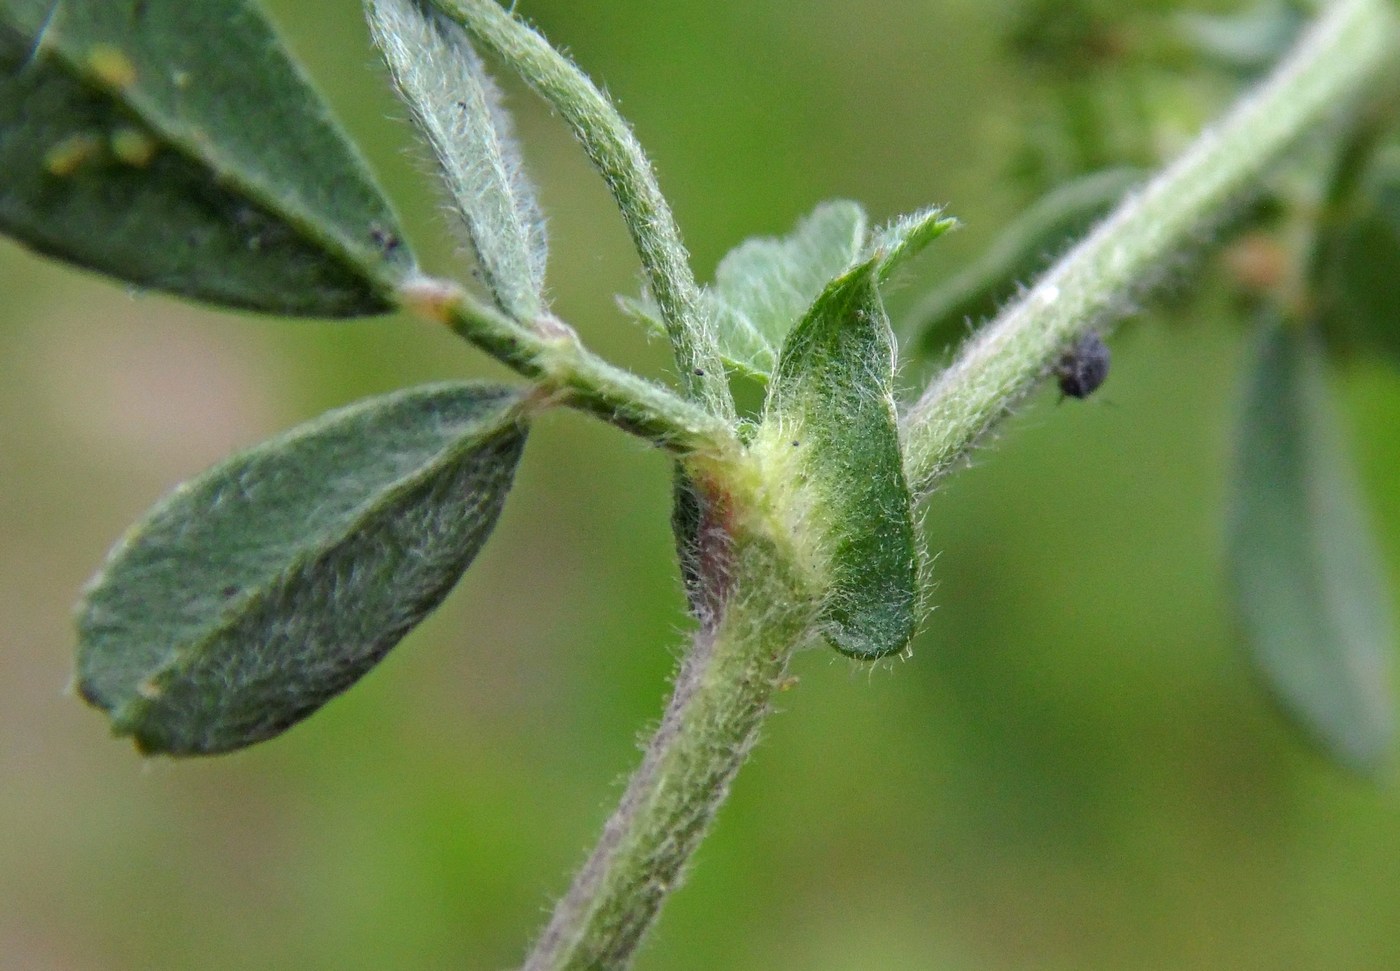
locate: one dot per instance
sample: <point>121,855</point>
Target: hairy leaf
<point>1309,586</point>
<point>254,594</point>
<point>830,438</point>
<point>458,108</point>
<point>892,245</point>
<point>174,145</point>
<point>764,285</point>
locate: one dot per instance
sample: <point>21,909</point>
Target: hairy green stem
<point>1021,249</point>
<point>722,695</point>
<point>1349,46</point>
<point>549,353</point>
<point>616,154</point>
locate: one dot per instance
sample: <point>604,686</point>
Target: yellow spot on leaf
<point>133,146</point>
<point>110,66</point>
<point>149,690</point>
<point>67,156</point>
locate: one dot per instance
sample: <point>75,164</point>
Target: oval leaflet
<point>258,591</point>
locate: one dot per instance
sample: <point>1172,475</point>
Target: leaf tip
<point>126,718</point>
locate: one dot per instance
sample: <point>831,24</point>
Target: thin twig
<point>1350,44</point>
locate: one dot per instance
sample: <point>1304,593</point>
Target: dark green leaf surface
<point>252,595</point>
<point>829,430</point>
<point>174,145</point>
<point>1309,585</point>
<point>1358,300</point>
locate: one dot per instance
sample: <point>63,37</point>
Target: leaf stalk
<point>549,353</point>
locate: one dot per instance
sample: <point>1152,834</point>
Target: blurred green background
<point>1073,771</point>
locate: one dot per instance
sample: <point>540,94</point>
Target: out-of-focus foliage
<point>1358,303</point>
<point>1074,770</point>
<point>1305,573</point>
<point>1250,40</point>
<point>1025,248</point>
<point>1317,242</point>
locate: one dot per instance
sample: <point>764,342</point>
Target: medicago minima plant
<point>255,593</point>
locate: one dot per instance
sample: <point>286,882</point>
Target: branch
<point>721,697</point>
<point>549,353</point>
<point>624,166</point>
<point>1345,50</point>
<point>725,685</point>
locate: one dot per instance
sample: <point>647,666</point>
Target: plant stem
<point>721,697</point>
<point>1020,250</point>
<point>549,353</point>
<point>616,154</point>
<point>1350,45</point>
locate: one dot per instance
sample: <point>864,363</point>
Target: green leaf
<point>763,286</point>
<point>174,145</point>
<point>255,593</point>
<point>1250,41</point>
<point>1025,248</point>
<point>458,108</point>
<point>1309,586</point>
<point>892,245</point>
<point>831,443</point>
<point>1358,301</point>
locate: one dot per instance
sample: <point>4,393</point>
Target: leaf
<point>458,108</point>
<point>257,592</point>
<point>1025,248</point>
<point>1309,586</point>
<point>1250,41</point>
<point>831,442</point>
<point>643,310</point>
<point>901,240</point>
<point>763,286</point>
<point>174,145</point>
<point>1358,301</point>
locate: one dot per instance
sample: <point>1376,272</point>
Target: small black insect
<point>1083,367</point>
